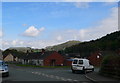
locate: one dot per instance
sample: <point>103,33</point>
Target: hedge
<point>111,66</point>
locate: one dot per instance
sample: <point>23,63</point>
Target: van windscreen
<point>75,61</point>
<point>80,61</point>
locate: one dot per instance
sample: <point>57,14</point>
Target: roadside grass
<point>28,65</point>
<point>22,65</point>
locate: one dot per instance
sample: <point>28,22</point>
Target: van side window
<point>80,61</point>
<point>75,61</point>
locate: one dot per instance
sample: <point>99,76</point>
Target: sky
<point>41,24</point>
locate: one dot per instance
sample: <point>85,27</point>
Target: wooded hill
<point>50,48</point>
<point>110,42</point>
<point>62,46</point>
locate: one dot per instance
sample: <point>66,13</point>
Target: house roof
<point>34,55</point>
<point>71,55</point>
<point>19,55</point>
<point>38,55</point>
<point>4,55</point>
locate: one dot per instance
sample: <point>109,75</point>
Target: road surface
<point>18,73</point>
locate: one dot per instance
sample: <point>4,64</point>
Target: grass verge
<point>42,66</point>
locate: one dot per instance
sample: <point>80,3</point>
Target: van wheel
<point>73,71</point>
<point>93,69</point>
<point>84,71</point>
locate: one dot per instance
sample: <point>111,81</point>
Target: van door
<point>80,63</point>
<point>75,62</point>
<point>88,66</point>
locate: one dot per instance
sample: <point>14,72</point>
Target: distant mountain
<point>50,48</point>
<point>110,42</point>
<point>62,46</point>
<point>21,49</point>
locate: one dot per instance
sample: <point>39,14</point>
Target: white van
<point>79,64</point>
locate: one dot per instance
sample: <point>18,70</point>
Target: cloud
<point>81,4</point>
<point>59,38</point>
<point>33,32</point>
<point>27,43</point>
<point>105,26</point>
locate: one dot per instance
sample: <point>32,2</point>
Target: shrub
<point>111,66</point>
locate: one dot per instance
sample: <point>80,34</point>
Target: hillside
<point>50,48</point>
<point>63,45</point>
<point>110,42</point>
<point>21,49</point>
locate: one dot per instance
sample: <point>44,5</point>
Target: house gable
<point>54,59</point>
<point>95,58</point>
<point>9,57</point>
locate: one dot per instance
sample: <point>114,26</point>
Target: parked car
<point>79,64</point>
<point>4,68</point>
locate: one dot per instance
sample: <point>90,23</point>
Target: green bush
<point>111,66</point>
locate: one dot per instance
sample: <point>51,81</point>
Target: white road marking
<point>39,74</point>
<point>84,82</point>
<point>36,72</point>
<point>57,77</point>
<point>53,76</point>
<point>63,79</point>
<point>69,79</point>
<point>46,75</point>
<point>43,74</point>
<point>75,80</point>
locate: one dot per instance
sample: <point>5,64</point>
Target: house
<point>95,58</point>
<point>10,57</point>
<point>21,58</point>
<point>1,56</point>
<point>50,58</point>
<point>118,51</point>
<point>53,59</point>
<point>32,58</point>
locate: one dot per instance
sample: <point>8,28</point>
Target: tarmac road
<point>18,73</point>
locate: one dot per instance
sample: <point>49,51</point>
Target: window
<point>75,61</point>
<point>80,61</point>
